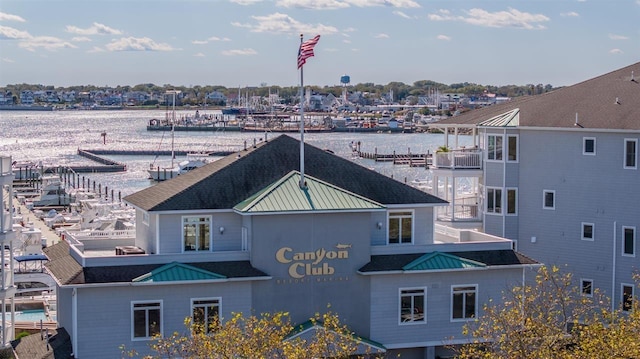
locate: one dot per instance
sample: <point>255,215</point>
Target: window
<point>586,287</point>
<point>196,233</point>
<point>512,201</point>
<point>146,319</point>
<point>627,297</point>
<point>548,199</point>
<point>494,200</point>
<point>589,146</point>
<point>630,153</point>
<point>206,313</point>
<point>494,148</point>
<point>512,148</point>
<point>412,305</point>
<point>463,302</point>
<point>400,227</point>
<point>587,231</point>
<point>145,218</point>
<point>629,244</point>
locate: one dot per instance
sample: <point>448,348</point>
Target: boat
<point>165,173</point>
<point>51,194</point>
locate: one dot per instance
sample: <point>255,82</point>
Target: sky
<point>240,43</point>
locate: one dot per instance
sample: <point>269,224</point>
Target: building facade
<point>560,177</point>
<point>260,231</point>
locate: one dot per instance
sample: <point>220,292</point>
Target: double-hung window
<point>589,146</point>
<point>548,199</point>
<point>464,302</point>
<point>494,148</point>
<point>586,287</point>
<point>205,313</point>
<point>400,227</point>
<point>412,305</point>
<point>146,319</point>
<point>512,201</point>
<point>627,297</point>
<point>587,231</point>
<point>631,153</point>
<point>196,233</point>
<point>629,241</point>
<point>512,148</point>
<point>494,200</point>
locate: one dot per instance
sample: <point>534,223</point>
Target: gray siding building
<point>253,233</point>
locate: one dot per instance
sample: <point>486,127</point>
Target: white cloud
<point>9,17</point>
<point>95,29</point>
<point>80,39</point>
<point>9,33</point>
<point>346,41</point>
<point>570,14</point>
<point>96,49</point>
<point>7,60</point>
<point>199,54</point>
<point>381,36</point>
<point>480,17</point>
<point>401,14</point>
<point>618,37</point>
<point>45,42</point>
<point>342,4</point>
<point>615,51</point>
<point>239,52</point>
<point>281,23</point>
<point>245,2</point>
<point>444,37</point>
<point>215,38</point>
<point>137,44</point>
<point>199,42</point>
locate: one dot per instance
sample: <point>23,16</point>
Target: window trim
<point>424,303</point>
<point>475,290</point>
<point>582,282</point>
<point>413,223</point>
<point>633,294</point>
<point>133,310</point>
<point>593,231</point>
<point>544,193</point>
<point>517,149</point>
<point>634,239</point>
<point>506,212</point>
<point>495,148</point>
<point>624,158</point>
<point>193,306</point>
<point>493,211</point>
<point>584,146</point>
<point>184,244</point>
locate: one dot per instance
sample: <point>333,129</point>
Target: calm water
<point>54,137</point>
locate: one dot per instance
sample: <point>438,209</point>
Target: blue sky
<point>238,43</point>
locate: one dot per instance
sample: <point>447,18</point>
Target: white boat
<point>52,193</point>
<point>162,174</point>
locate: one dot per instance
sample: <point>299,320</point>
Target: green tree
<point>265,336</point>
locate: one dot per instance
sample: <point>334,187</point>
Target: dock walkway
<point>411,159</point>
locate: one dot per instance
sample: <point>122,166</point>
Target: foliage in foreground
<point>264,336</point>
<point>552,319</point>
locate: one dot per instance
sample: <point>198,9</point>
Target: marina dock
<point>411,159</point>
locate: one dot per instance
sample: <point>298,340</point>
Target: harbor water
<point>54,137</point>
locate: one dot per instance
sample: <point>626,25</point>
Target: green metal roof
<point>313,325</point>
<point>439,261</point>
<point>177,272</point>
<point>285,195</point>
<point>507,119</point>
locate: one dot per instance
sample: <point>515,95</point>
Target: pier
<point>412,159</point>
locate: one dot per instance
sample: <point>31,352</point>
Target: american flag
<point>306,50</point>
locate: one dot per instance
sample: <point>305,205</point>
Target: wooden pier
<point>412,159</point>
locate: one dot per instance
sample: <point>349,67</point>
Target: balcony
<point>458,159</point>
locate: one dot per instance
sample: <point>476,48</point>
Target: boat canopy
<point>31,257</point>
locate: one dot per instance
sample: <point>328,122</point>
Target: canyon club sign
<point>302,264</point>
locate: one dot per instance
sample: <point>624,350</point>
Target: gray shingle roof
<point>396,262</point>
<point>34,347</point>
<point>231,180</point>
<point>594,101</point>
<point>68,272</point>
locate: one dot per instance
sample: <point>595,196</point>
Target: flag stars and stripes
<point>306,50</point>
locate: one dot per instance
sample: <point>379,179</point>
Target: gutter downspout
<point>613,269</point>
<point>503,198</point>
<point>74,322</point>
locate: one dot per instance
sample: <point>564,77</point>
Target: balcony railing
<point>5,166</point>
<point>459,159</point>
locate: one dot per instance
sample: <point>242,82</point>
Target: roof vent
<point>632,78</point>
<point>617,101</point>
<point>577,124</point>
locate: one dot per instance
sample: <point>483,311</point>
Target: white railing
<point>88,235</point>
<point>459,159</point>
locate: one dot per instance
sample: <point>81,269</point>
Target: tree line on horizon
<point>402,92</point>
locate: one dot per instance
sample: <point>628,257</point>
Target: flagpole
<point>302,181</point>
